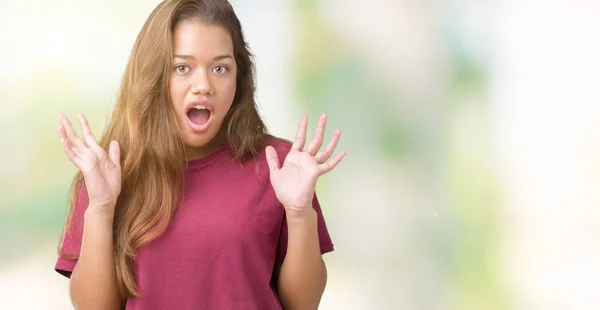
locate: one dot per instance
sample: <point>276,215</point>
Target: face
<point>202,84</point>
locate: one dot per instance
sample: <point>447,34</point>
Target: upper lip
<point>204,103</point>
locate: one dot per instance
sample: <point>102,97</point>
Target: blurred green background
<point>472,130</point>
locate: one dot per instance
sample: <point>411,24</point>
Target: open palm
<point>294,182</point>
<point>101,171</point>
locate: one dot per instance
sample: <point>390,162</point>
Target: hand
<point>102,172</point>
<point>294,183</point>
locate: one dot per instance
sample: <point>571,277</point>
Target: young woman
<point>186,202</point>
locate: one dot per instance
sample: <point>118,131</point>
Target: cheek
<point>177,92</point>
<point>230,89</point>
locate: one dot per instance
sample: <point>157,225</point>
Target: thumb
<point>272,159</point>
<point>114,153</point>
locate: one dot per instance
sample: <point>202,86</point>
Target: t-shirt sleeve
<point>324,239</point>
<point>71,244</point>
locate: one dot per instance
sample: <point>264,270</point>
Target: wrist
<point>104,211</point>
<point>302,214</point>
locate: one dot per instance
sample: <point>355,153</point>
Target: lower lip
<point>199,128</point>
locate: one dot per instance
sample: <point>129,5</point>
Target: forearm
<point>93,284</point>
<point>303,274</point>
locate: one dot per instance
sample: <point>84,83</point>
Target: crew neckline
<point>203,161</point>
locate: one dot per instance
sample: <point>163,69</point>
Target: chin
<point>197,141</point>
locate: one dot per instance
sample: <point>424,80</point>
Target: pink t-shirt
<point>222,245</point>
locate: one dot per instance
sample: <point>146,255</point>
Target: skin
<point>93,283</point>
<point>302,276</point>
<point>204,69</point>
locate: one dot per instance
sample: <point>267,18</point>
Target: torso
<point>219,250</point>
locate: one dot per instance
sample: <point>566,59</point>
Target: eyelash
<point>187,67</point>
<point>224,67</point>
<point>179,66</point>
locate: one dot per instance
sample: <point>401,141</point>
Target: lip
<point>195,127</point>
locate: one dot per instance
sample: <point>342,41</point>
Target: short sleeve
<point>324,239</point>
<point>71,245</point>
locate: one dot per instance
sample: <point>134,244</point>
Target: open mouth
<point>199,117</point>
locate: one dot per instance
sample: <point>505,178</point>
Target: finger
<point>63,136</point>
<point>300,134</point>
<point>71,135</point>
<point>72,152</point>
<point>329,148</point>
<point>272,159</point>
<point>317,140</point>
<point>88,137</point>
<point>328,166</point>
<point>67,125</point>
<point>61,132</point>
<point>67,148</point>
<point>114,153</point>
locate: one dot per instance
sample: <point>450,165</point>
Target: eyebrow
<point>220,57</point>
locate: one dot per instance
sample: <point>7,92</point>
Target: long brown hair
<point>144,124</point>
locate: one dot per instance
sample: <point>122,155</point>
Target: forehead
<point>201,40</point>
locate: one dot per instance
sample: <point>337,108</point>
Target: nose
<point>201,84</point>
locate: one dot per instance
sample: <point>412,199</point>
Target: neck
<point>213,145</point>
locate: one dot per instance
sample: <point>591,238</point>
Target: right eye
<point>182,69</point>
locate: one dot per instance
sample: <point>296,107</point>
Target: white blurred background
<point>472,130</point>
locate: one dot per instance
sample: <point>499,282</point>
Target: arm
<point>303,275</point>
<point>93,284</point>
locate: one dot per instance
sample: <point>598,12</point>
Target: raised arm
<point>93,283</point>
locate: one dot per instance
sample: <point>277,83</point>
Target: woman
<point>184,203</point>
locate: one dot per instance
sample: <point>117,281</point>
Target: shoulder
<point>281,146</point>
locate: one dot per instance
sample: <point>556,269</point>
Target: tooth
<point>200,107</point>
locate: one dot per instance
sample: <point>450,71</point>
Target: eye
<point>182,69</point>
<point>220,69</point>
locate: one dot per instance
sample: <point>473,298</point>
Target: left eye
<point>182,69</point>
<point>219,69</point>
